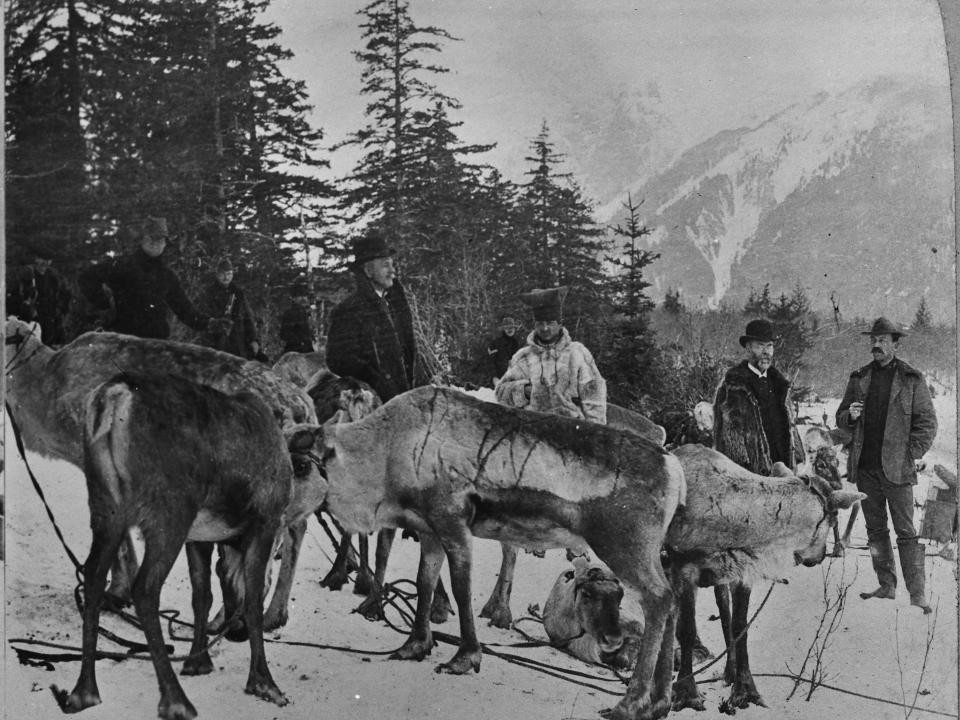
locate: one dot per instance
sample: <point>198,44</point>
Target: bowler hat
<point>547,303</point>
<point>757,330</point>
<point>370,247</point>
<point>224,265</point>
<point>882,326</point>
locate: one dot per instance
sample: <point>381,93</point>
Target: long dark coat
<point>368,342</point>
<point>910,428</point>
<point>144,291</point>
<point>737,426</point>
<point>215,300</point>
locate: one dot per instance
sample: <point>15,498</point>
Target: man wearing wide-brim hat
<point>553,373</point>
<point>753,419</point>
<point>371,334</point>
<point>888,408</point>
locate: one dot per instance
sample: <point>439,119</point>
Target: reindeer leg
<point>122,573</point>
<point>497,608</point>
<point>161,552</point>
<point>459,550</point>
<point>276,614</point>
<point>685,692</point>
<point>722,595</point>
<point>854,512</point>
<point>364,582</point>
<point>372,606</point>
<point>420,641</point>
<point>344,561</point>
<point>106,542</point>
<point>648,693</point>
<point>198,561</point>
<point>256,555</point>
<point>744,692</point>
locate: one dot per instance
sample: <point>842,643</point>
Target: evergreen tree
<point>627,285</point>
<point>923,319</point>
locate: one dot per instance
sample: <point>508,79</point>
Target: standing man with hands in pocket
<point>888,408</point>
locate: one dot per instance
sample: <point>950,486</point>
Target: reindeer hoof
<point>372,607</point>
<point>838,551</point>
<point>740,699</point>
<point>266,691</point>
<point>461,664</point>
<point>363,585</point>
<point>334,580</point>
<point>114,602</point>
<point>198,665</point>
<point>440,610</point>
<point>499,615</point>
<point>686,695</point>
<point>76,701</point>
<point>413,649</point>
<point>176,710</point>
<point>274,620</point>
<point>701,653</point>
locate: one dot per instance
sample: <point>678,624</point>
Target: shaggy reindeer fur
<point>738,528</point>
<point>46,391</point>
<point>452,467</point>
<point>298,368</point>
<point>184,463</point>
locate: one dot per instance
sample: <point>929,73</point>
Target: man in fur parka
<point>754,424</point>
<point>553,373</point>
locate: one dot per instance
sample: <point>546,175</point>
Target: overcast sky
<point>716,65</point>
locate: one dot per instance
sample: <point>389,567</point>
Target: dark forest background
<point>119,109</point>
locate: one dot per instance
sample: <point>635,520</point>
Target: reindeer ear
<point>843,499</point>
<point>302,437</point>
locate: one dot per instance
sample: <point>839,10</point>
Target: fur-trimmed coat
<point>374,344</point>
<point>910,428</point>
<point>563,378</point>
<point>737,428</point>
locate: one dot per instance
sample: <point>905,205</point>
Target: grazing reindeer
<point>497,607</point>
<point>452,467</point>
<point>582,616</point>
<point>735,528</point>
<point>184,463</point>
<point>46,392</point>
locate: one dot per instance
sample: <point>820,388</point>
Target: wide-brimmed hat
<point>507,320</point>
<point>154,227</point>
<point>224,265</point>
<point>371,246</point>
<point>758,331</point>
<point>882,326</point>
<point>547,303</point>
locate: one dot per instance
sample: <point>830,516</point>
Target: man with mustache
<point>753,423</point>
<point>887,406</point>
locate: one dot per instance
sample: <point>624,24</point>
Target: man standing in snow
<point>553,373</point>
<point>887,406</point>
<point>503,347</point>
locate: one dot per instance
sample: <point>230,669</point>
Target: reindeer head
<point>309,476</point>
<point>17,331</point>
<point>831,501</point>
<point>597,594</point>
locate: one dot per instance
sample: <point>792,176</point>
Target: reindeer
<point>735,528</point>
<point>297,368</point>
<point>184,463</point>
<point>822,444</point>
<point>497,607</point>
<point>582,616</point>
<point>46,392</point>
<point>452,467</point>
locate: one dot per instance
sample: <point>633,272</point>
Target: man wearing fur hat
<point>553,373</point>
<point>888,408</point>
<point>371,332</point>
<point>223,298</point>
<point>141,290</point>
<point>753,421</point>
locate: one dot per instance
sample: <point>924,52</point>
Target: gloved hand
<point>219,326</point>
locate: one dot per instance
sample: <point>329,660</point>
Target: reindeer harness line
<point>46,390</point>
<point>452,468</point>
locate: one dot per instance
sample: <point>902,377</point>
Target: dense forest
<point>122,109</point>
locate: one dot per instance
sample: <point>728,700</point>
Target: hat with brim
<point>547,304</point>
<point>224,266</point>
<point>757,331</point>
<point>882,326</point>
<point>370,247</point>
<point>508,321</point>
<point>155,227</point>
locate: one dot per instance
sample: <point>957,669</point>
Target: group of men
<point>886,406</point>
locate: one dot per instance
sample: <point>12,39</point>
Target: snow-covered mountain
<point>848,194</point>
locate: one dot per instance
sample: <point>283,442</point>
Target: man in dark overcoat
<point>223,298</point>
<point>371,334</point>
<point>141,290</point>
<point>887,407</point>
<point>503,347</point>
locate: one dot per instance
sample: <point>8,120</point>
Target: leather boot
<point>881,553</point>
<point>912,562</point>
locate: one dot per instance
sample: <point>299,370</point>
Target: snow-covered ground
<point>879,650</point>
